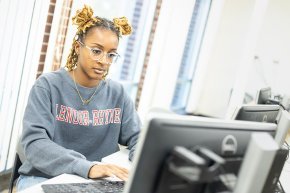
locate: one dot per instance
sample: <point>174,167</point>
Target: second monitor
<point>258,113</point>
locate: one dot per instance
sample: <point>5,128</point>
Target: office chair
<point>18,160</point>
<point>15,174</point>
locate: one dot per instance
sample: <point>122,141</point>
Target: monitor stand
<point>194,170</point>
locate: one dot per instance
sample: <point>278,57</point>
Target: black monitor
<point>227,138</point>
<point>258,113</point>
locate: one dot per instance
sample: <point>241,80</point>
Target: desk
<point>119,158</point>
<point>68,178</point>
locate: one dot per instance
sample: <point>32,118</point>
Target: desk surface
<point>68,178</point>
<point>119,158</point>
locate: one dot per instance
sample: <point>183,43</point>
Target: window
<point>129,69</point>
<point>190,55</point>
<point>23,23</point>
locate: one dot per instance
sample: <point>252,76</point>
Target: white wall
<point>220,56</point>
<point>246,47</point>
<point>273,50</point>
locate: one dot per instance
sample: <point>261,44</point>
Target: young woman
<point>76,116</point>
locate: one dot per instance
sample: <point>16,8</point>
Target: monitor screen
<point>162,133</point>
<point>258,113</point>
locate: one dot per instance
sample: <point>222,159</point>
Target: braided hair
<point>85,21</point>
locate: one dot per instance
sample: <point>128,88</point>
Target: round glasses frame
<point>97,54</point>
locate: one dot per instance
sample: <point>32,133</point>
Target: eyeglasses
<point>97,54</point>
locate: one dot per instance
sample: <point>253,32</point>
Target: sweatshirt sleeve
<point>38,131</point>
<point>130,127</point>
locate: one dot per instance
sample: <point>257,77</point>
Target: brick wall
<point>61,34</point>
<point>60,37</point>
<point>45,39</point>
<point>148,51</point>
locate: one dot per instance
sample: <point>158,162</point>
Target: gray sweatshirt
<point>61,135</point>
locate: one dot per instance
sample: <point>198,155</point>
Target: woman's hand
<point>108,170</point>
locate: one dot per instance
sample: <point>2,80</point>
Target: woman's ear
<point>77,47</point>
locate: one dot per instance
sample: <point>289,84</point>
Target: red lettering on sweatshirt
<point>69,115</point>
<point>61,113</point>
<point>82,117</point>
<point>117,112</point>
<point>86,119</point>
<point>105,117</point>
<point>75,117</point>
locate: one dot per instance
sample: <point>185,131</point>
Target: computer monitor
<point>258,113</point>
<point>163,132</point>
<point>264,94</point>
<point>266,113</point>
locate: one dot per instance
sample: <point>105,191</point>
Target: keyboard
<point>98,186</point>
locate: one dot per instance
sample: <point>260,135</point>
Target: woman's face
<point>98,40</point>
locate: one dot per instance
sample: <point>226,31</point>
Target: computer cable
<point>280,188</point>
<point>275,102</point>
<point>286,145</point>
<point>282,106</point>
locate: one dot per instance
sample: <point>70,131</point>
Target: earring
<point>105,75</point>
